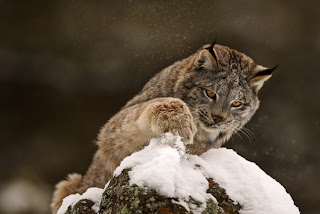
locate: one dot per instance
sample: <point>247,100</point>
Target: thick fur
<point>176,100</point>
<point>65,188</point>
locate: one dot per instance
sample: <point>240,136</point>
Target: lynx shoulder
<point>204,98</point>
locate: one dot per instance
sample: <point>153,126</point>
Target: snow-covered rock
<point>218,181</point>
<point>91,197</point>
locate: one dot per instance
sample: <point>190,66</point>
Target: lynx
<point>204,98</point>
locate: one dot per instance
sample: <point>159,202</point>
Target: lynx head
<point>221,89</point>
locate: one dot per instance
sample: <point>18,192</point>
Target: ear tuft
<point>211,50</point>
<point>267,71</point>
<point>207,59</point>
<point>259,75</point>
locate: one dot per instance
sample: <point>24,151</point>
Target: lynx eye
<point>236,104</point>
<point>211,94</point>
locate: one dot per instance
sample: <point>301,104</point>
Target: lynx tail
<point>65,188</point>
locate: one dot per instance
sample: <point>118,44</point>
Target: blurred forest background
<point>67,66</point>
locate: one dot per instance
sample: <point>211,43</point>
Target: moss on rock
<point>83,206</point>
<point>121,198</point>
<point>223,199</point>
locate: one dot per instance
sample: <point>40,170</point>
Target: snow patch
<point>164,166</point>
<point>247,184</point>
<point>94,194</point>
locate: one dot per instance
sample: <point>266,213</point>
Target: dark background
<point>67,66</point>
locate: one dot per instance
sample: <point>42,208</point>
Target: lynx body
<point>204,98</point>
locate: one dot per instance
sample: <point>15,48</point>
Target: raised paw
<point>173,116</point>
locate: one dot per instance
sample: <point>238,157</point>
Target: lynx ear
<point>259,75</point>
<point>207,59</point>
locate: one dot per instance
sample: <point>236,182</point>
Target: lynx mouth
<point>210,126</point>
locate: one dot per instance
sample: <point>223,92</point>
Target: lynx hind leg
<point>172,115</point>
<point>65,188</point>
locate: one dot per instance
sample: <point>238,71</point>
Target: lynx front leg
<point>132,128</point>
<point>169,115</point>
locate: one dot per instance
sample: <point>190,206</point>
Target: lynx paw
<point>173,116</point>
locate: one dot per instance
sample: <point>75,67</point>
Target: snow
<point>94,194</point>
<point>247,184</point>
<point>165,166</point>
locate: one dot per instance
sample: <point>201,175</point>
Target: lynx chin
<point>204,98</point>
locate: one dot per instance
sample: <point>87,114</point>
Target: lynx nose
<point>217,118</point>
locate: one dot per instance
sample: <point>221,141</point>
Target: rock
<point>83,206</point>
<point>120,197</point>
<point>165,179</point>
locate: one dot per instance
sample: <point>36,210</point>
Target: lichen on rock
<point>122,198</point>
<point>83,206</point>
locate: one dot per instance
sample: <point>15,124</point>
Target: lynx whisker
<point>234,130</point>
<point>243,132</point>
<point>249,132</point>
